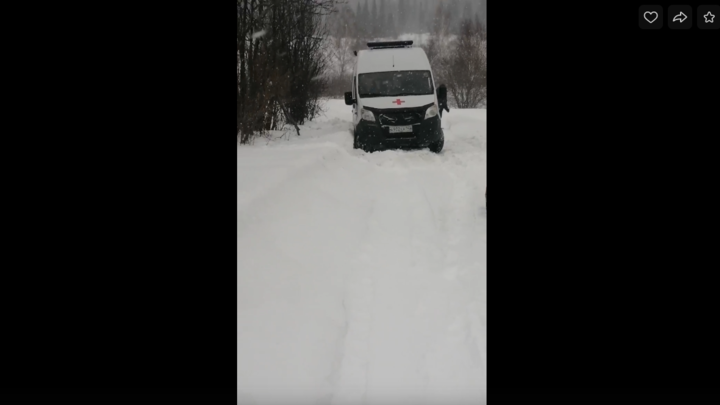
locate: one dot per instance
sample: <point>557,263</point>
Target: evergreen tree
<point>450,13</point>
<point>348,22</point>
<point>438,19</point>
<point>392,31</point>
<point>356,20</point>
<point>467,10</point>
<point>382,20</point>
<point>430,15</point>
<point>422,17</point>
<point>483,12</point>
<point>411,16</point>
<point>409,12</point>
<point>364,31</point>
<point>447,10</point>
<point>374,26</point>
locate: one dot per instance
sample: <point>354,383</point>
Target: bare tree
<point>280,63</point>
<point>465,69</point>
<point>438,46</point>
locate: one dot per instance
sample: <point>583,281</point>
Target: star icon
<point>709,17</point>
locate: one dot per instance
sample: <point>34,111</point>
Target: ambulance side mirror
<point>348,98</point>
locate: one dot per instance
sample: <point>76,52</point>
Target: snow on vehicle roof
<point>382,60</point>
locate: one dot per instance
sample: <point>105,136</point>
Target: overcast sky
<point>354,2</point>
<point>476,3</point>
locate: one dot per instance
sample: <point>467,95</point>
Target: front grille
<point>400,118</point>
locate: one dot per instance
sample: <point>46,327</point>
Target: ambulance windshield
<point>395,84</point>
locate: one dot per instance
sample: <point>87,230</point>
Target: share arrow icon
<point>680,17</point>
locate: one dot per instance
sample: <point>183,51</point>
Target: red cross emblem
<point>398,101</point>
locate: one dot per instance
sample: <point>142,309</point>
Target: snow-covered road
<point>362,277</point>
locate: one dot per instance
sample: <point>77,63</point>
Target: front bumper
<point>373,135</point>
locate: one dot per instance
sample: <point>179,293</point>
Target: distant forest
<point>389,18</point>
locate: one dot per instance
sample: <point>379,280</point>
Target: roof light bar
<point>390,44</point>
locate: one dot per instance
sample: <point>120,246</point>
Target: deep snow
<point>362,277</point>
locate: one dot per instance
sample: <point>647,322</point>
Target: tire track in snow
<point>351,387</point>
<point>456,364</point>
<point>406,340</point>
<point>350,374</point>
<point>404,262</point>
<point>398,267</point>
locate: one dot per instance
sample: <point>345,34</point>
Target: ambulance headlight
<point>431,112</point>
<point>367,115</point>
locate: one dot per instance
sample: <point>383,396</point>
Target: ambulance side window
<point>353,89</point>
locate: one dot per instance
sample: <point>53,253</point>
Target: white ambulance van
<point>394,98</point>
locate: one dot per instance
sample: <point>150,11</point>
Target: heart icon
<point>648,14</point>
